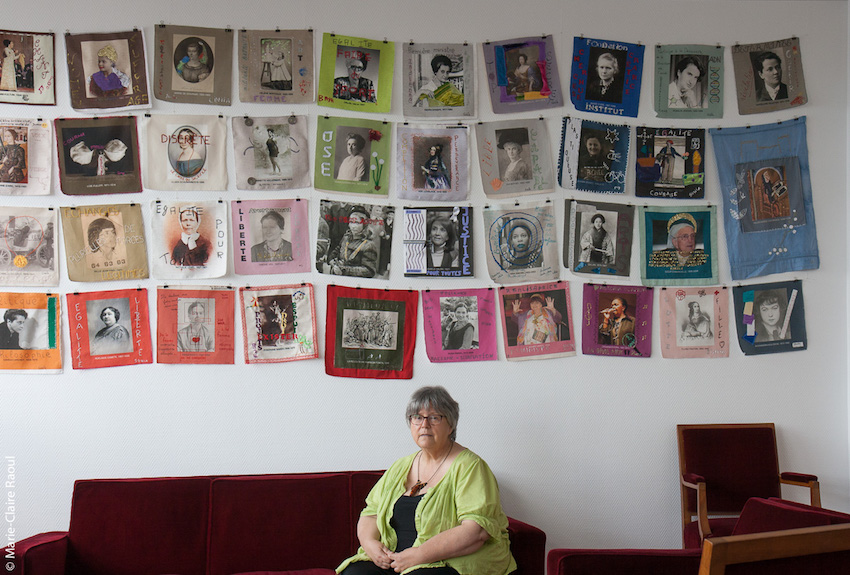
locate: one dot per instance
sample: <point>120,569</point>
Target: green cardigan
<point>468,490</point>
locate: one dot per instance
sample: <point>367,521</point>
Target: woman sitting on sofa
<point>446,491</point>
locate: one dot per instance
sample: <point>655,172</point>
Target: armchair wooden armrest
<point>697,483</point>
<point>803,480</point>
<point>719,552</point>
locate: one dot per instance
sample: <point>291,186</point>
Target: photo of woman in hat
<point>514,161</point>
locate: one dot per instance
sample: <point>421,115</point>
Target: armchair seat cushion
<point>300,572</point>
<point>623,561</point>
<point>720,527</point>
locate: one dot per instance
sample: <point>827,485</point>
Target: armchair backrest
<point>738,461</point>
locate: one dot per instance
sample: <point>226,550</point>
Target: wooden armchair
<point>720,467</point>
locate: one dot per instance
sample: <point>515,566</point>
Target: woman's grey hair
<point>437,398</point>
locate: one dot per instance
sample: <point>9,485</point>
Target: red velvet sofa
<point>302,524</point>
<point>768,530</point>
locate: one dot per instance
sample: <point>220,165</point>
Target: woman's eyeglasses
<point>420,419</point>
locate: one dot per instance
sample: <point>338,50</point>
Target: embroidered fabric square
<point>353,155</point>
<point>438,242</point>
<point>26,157</point>
<point>522,243</point>
<point>370,332</point>
<point>670,163</point>
<point>439,80</point>
<point>109,328</point>
<point>276,66</point>
<point>617,320</point>
<point>606,76</point>
<point>356,73</point>
<point>194,325</point>
<point>30,334</point>
<point>460,325</point>
<point>270,236</point>
<point>593,156</point>
<point>279,323</point>
<point>523,74</point>
<point>271,153</point>
<point>98,155</point>
<point>678,245</point>
<point>28,246</point>
<point>193,65</point>
<point>689,81</point>
<point>107,71</point>
<point>598,237</point>
<point>769,76</point>
<point>770,318</point>
<point>694,322</point>
<point>514,158</point>
<point>537,321</point>
<point>354,239</point>
<point>433,163</point>
<point>186,153</point>
<point>25,53</point>
<point>769,217</point>
<point>105,243</point>
<point>189,239</point>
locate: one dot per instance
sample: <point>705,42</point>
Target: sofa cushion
<point>279,522</point>
<point>762,515</point>
<point>139,526</point>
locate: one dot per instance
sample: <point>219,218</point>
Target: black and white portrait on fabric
<point>605,78</point>
<point>598,239</point>
<point>770,317</point>
<point>439,80</point>
<point>196,325</point>
<point>109,326</point>
<point>459,321</point>
<point>433,162</point>
<point>769,76</point>
<point>522,243</point>
<point>354,239</point>
<point>695,323</point>
<point>514,157</point>
<point>351,157</point>
<point>689,81</point>
<point>271,153</point>
<point>438,242</point>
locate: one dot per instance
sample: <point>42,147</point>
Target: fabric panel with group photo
<point>354,240</point>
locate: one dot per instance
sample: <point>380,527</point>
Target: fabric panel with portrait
<point>770,318</point>
<point>522,243</point>
<point>438,242</point>
<point>270,236</point>
<point>271,153</point>
<point>197,68</point>
<point>514,158</point>
<point>30,334</point>
<point>433,162</point>
<point>22,54</point>
<point>440,80</point>
<point>769,76</point>
<point>689,81</point>
<point>356,73</point>
<point>279,323</point>
<point>593,156</point>
<point>694,322</point>
<point>195,325</point>
<point>618,320</point>
<point>678,245</point>
<point>606,76</point>
<point>189,239</point>
<point>523,74</point>
<point>28,246</point>
<point>537,321</point>
<point>460,325</point>
<point>276,66</point>
<point>598,239</point>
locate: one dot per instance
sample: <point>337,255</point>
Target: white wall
<point>583,447</point>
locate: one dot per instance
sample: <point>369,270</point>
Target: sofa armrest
<point>528,546</point>
<point>42,554</point>
<point>623,561</point>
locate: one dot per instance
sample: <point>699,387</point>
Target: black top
<point>404,522</point>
